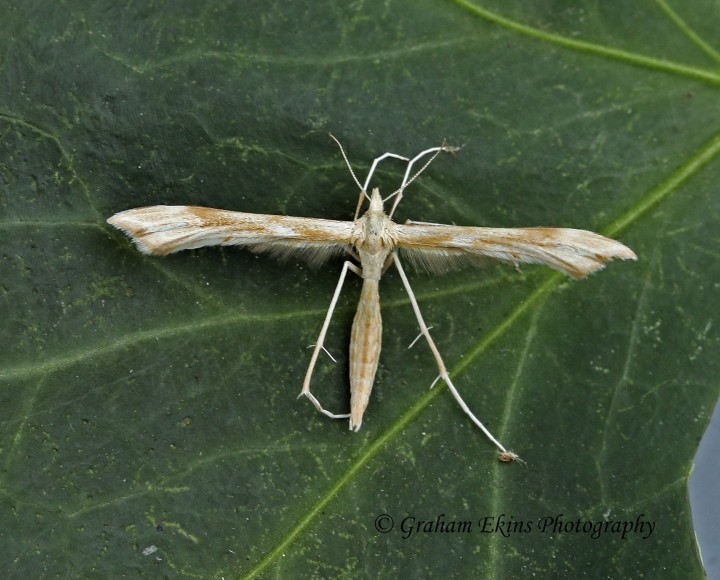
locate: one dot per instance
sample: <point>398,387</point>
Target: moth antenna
<point>349,166</point>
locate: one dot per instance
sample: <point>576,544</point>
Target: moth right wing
<point>164,229</point>
<point>576,253</point>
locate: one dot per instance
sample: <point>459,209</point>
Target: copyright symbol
<point>384,523</point>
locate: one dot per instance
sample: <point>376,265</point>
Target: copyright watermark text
<point>507,525</point>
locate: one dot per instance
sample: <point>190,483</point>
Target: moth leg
<point>388,262</point>
<point>412,344</point>
<point>505,455</point>
<point>363,188</point>
<point>321,339</point>
<point>413,222</point>
<point>407,180</point>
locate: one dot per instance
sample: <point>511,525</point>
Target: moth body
<point>365,341</point>
<point>373,241</point>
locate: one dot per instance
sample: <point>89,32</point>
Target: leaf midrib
<point>592,48</point>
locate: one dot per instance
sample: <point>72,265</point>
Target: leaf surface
<point>148,412</point>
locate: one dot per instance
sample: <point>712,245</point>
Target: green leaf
<point>148,406</point>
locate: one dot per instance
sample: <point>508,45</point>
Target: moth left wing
<point>576,253</point>
<point>164,229</point>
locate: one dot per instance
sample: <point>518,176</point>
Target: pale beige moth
<point>374,242</point>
